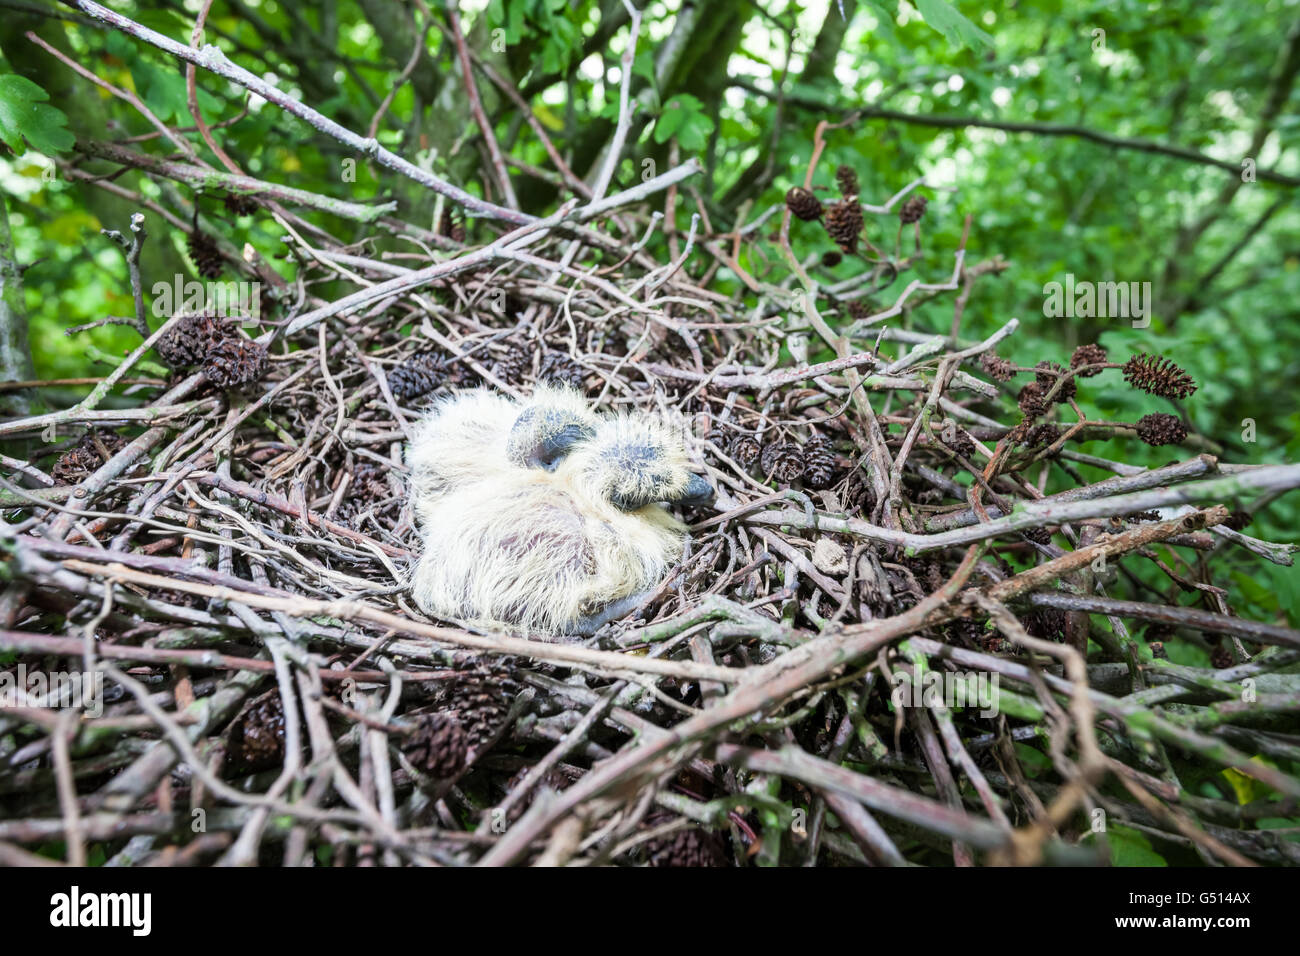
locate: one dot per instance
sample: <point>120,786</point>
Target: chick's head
<point>637,461</point>
<point>553,421</point>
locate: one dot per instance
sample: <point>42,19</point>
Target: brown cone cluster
<point>1157,375</point>
<point>998,369</point>
<point>1090,354</point>
<point>913,210</point>
<point>205,254</point>
<point>418,375</point>
<point>843,221</point>
<point>1041,435</point>
<point>1159,428</point>
<point>1032,400</point>
<point>803,204</point>
<point>783,460</point>
<point>820,464</point>
<point>256,736</point>
<point>744,450</point>
<point>85,458</point>
<point>1048,375</point>
<point>438,746</point>
<point>691,847</point>
<point>847,180</point>
<point>227,357</point>
<point>559,368</point>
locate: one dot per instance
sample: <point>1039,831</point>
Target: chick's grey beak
<point>698,492</point>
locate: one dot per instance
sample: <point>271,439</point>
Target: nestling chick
<point>540,514</point>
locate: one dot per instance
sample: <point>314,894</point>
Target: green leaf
<point>26,119</point>
<point>960,32</point>
<point>1128,847</point>
<point>683,116</point>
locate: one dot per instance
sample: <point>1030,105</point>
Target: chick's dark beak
<point>698,492</point>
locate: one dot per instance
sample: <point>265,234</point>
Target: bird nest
<point>895,637</point>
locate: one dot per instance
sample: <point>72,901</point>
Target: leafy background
<point>742,85</point>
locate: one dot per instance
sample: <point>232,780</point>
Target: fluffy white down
<point>523,547</point>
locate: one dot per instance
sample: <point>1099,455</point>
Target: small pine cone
<point>452,226</point>
<point>859,496</point>
<point>831,258</point>
<point>1038,535</point>
<point>84,458</point>
<point>1238,520</point>
<point>240,205</point>
<point>690,847</point>
<point>859,310</point>
<point>913,210</point>
<point>803,204</point>
<point>1221,657</point>
<point>962,444</point>
<point>1158,376</point>
<point>190,340</point>
<point>418,375</point>
<point>744,450</point>
<point>513,365</point>
<point>1046,622</point>
<point>1042,435</point>
<point>479,699</point>
<point>1091,354</point>
<point>1158,650</point>
<point>820,465</point>
<point>1032,400</point>
<point>256,740</point>
<point>205,254</point>
<point>235,361</point>
<point>1159,428</point>
<point>847,180</point>
<point>367,488</point>
<point>783,460</point>
<point>843,223</point>
<point>559,368</point>
<point>998,369</point>
<point>438,746</point>
<point>1047,377</point>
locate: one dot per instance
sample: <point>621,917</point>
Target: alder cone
<point>783,460</point>
<point>512,366</point>
<point>235,361</point>
<point>1090,354</point>
<point>84,458</point>
<point>803,204</point>
<point>690,847</point>
<point>1160,428</point>
<point>1032,400</point>
<point>998,369</point>
<point>820,464</point>
<point>418,375</point>
<point>1158,376</point>
<point>913,210</point>
<point>847,180</point>
<point>1042,435</point>
<point>256,740</point>
<point>190,340</point>
<point>205,254</point>
<point>744,450</point>
<point>559,368</point>
<point>843,221</point>
<point>438,746</point>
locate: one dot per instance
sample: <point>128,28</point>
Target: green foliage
<point>27,119</point>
